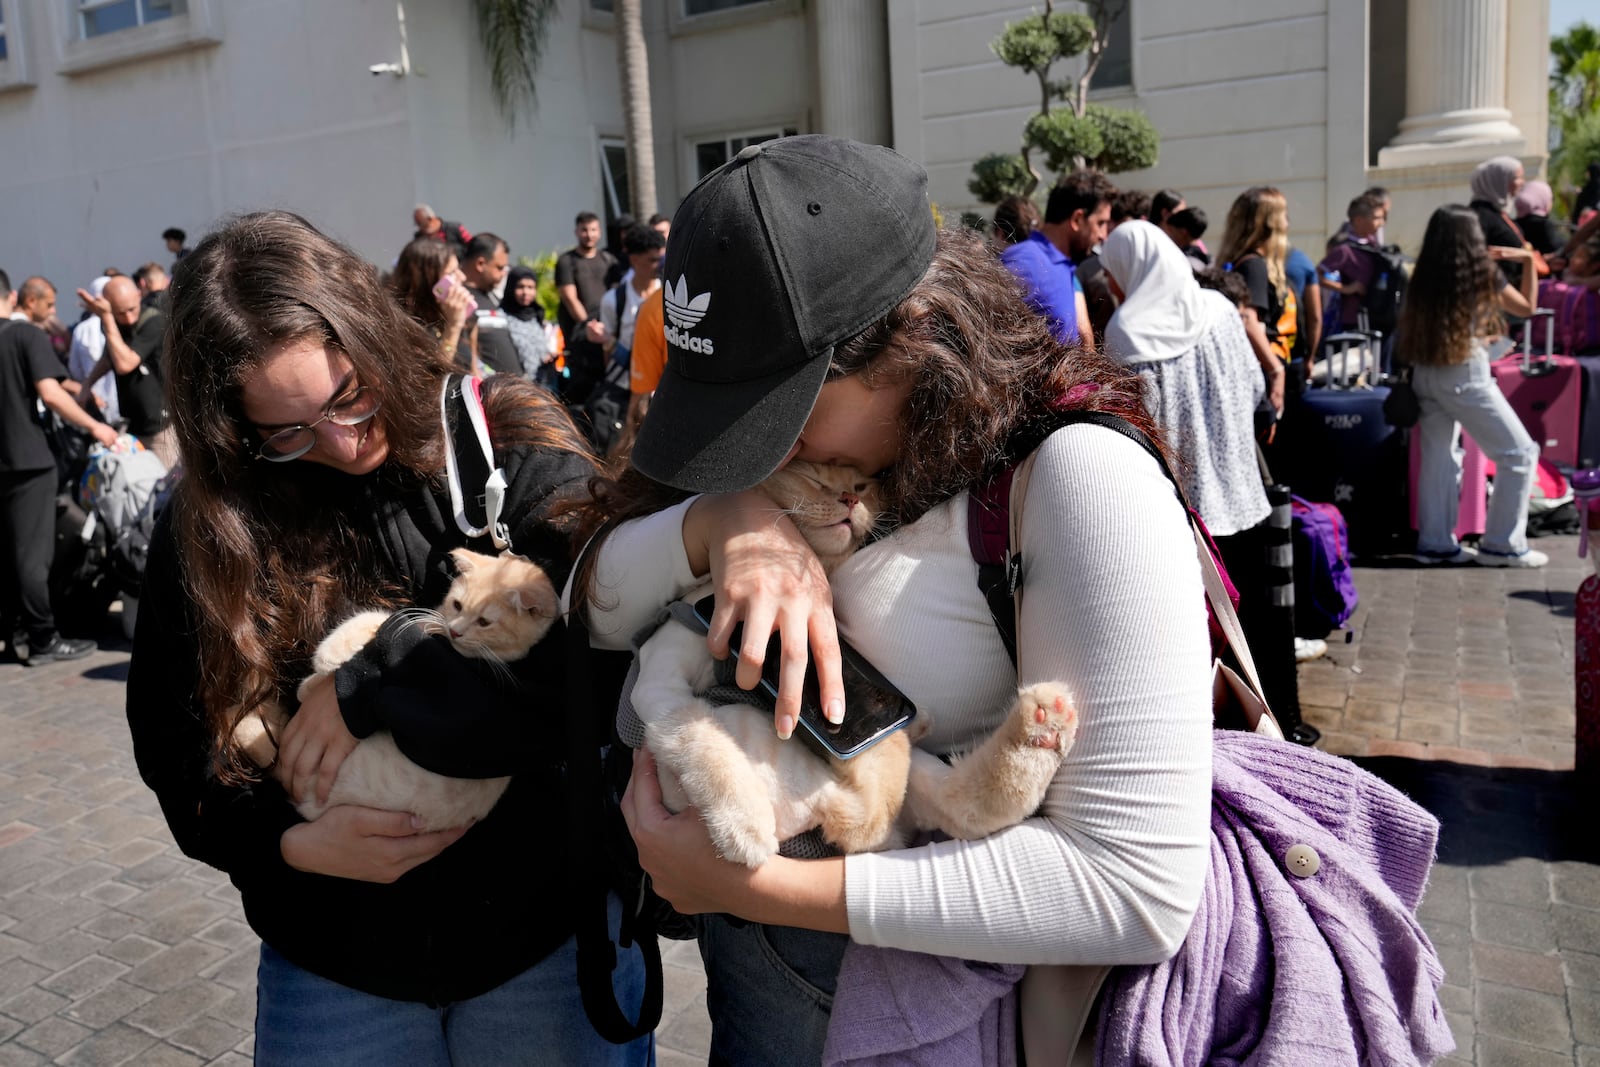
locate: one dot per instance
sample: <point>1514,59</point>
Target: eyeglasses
<point>351,409</point>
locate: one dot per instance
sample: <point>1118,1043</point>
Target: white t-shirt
<point>623,330</point>
<point>1110,870</point>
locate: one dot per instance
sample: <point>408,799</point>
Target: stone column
<point>853,69</point>
<point>1455,84</point>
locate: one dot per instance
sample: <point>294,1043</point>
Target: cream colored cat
<point>755,791</point>
<point>497,609</point>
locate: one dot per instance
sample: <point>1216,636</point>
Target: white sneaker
<point>1462,554</point>
<point>1308,648</point>
<point>1530,558</point>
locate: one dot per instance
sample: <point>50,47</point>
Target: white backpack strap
<point>494,486</point>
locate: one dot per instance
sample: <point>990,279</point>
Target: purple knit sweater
<point>1331,969</point>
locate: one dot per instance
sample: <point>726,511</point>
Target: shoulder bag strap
<point>469,460</point>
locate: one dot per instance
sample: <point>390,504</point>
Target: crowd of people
<point>300,389</point>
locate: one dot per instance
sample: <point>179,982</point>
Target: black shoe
<point>59,648</point>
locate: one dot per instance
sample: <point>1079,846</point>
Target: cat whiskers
<point>483,653</point>
<point>427,620</point>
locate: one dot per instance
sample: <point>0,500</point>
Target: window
<point>706,7</point>
<point>1116,66</point>
<point>2,33</point>
<point>617,197</point>
<point>709,155</point>
<point>97,17</point>
<point>608,6</point>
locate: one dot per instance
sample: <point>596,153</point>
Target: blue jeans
<point>535,1018</point>
<point>769,990</point>
<point>1466,393</point>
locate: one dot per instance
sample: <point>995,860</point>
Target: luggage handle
<point>1363,340</point>
<point>1546,363</point>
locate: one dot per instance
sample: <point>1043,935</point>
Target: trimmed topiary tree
<point>1079,134</point>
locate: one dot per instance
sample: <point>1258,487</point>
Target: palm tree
<point>513,33</point>
<point>634,62</point>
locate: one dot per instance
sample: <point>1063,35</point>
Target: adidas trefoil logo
<point>685,314</point>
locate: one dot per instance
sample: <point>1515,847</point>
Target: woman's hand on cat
<point>315,742</point>
<point>364,844</point>
<point>685,870</point>
<point>767,578</point>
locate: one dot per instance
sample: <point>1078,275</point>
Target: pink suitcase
<point>1474,508</point>
<point>1546,392</point>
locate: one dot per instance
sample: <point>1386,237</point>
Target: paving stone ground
<point>1457,687</point>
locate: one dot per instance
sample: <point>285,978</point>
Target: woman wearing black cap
<point>813,311</point>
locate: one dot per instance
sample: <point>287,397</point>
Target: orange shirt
<point>648,357</point>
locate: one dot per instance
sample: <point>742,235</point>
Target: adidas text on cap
<point>787,250</point>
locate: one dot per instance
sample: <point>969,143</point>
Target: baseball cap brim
<point>739,431</point>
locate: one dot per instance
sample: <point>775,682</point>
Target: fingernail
<point>785,726</point>
<point>835,711</point>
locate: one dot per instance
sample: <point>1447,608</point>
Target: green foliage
<point>544,268</point>
<point>997,176</point>
<point>1129,139</point>
<point>1062,137</point>
<point>1574,105</point>
<point>971,220</point>
<point>513,34</point>
<point>1035,43</point>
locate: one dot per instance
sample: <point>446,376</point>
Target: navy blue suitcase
<point>1341,450</point>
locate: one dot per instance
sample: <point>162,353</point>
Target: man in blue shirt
<point>1075,221</point>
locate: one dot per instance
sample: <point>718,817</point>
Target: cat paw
<point>1045,717</point>
<point>744,845</point>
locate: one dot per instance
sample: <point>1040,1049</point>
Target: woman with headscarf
<point>88,342</point>
<point>1495,184</point>
<point>1203,384</point>
<point>1532,205</point>
<point>525,318</point>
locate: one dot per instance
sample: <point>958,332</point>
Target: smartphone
<point>442,287</point>
<point>873,707</point>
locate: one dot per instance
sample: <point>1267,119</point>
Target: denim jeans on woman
<point>769,990</point>
<point>535,1018</point>
<point>1466,393</point>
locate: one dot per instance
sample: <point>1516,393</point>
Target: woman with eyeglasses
<point>307,405</point>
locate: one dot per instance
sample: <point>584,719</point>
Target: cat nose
<point>849,499</point>
<point>455,632</point>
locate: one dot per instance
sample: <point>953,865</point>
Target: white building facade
<point>123,117</point>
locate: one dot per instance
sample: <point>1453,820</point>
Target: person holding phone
<point>309,422</point>
<point>428,282</point>
<point>921,364</point>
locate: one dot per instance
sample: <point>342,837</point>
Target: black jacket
<point>489,906</point>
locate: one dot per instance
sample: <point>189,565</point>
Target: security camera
<point>386,68</point>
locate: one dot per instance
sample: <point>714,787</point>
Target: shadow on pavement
<point>1561,603</point>
<point>108,672</point>
<point>1491,814</point>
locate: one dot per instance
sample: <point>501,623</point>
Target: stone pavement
<point>1457,687</point>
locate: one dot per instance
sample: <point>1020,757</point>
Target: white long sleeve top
<point>1110,870</point>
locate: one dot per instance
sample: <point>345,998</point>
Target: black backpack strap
<point>587,810</point>
<point>477,486</point>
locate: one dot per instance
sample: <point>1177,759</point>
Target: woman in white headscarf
<point>1203,382</point>
<point>1495,185</point>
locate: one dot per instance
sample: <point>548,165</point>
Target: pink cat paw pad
<point>1052,723</point>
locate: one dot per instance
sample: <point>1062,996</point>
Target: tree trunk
<point>634,63</point>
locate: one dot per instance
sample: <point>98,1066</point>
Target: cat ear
<point>537,596</point>
<point>465,560</point>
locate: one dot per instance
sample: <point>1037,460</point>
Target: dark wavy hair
<point>272,553</point>
<point>989,381</point>
<point>420,265</point>
<point>1452,297</point>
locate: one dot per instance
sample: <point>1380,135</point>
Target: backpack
<point>1387,292</point>
<point>131,547</point>
<point>81,583</point>
<point>1576,321</point>
<point>118,482</point>
<point>607,406</point>
<point>1324,589</point>
<point>597,769</point>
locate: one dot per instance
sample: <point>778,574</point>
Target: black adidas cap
<point>790,248</point>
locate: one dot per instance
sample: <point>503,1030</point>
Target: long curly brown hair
<point>988,383</point>
<point>271,553</point>
<point>421,264</point>
<point>1453,295</point>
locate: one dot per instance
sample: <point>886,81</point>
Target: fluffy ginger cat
<point>497,609</point>
<point>754,790</point>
